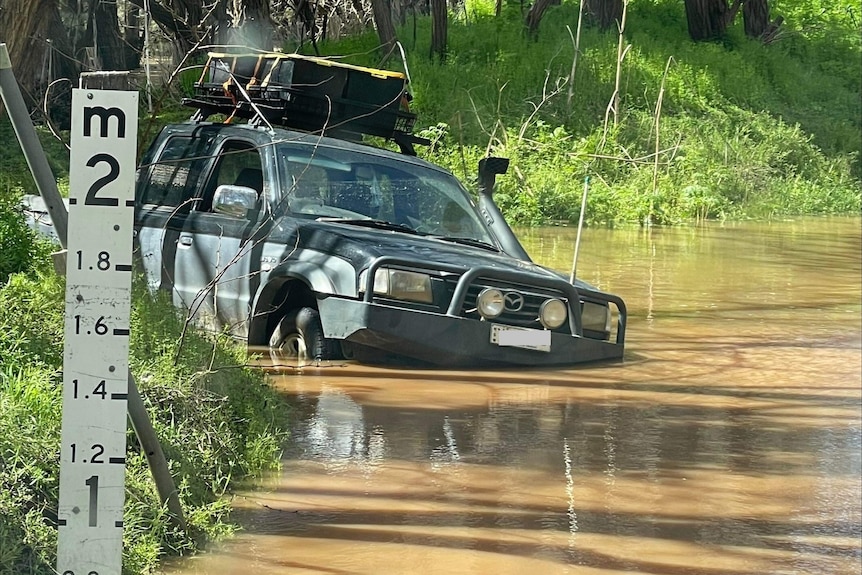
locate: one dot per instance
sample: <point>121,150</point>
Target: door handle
<point>185,240</point>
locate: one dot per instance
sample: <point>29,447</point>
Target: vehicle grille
<point>526,316</point>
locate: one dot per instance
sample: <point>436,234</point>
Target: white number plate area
<point>535,339</point>
<point>95,365</point>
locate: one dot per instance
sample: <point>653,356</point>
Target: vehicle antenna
<point>580,227</point>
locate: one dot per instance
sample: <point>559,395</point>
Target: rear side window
<point>173,177</point>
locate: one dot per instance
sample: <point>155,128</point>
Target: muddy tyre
<point>300,335</point>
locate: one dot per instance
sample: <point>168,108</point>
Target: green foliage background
<point>745,129</point>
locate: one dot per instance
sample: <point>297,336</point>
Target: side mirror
<point>488,169</point>
<point>234,201</point>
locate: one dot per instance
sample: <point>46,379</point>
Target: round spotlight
<point>490,303</point>
<point>553,313</point>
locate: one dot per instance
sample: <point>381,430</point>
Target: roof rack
<point>307,94</point>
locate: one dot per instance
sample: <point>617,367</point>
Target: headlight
<point>401,284</point>
<point>553,313</point>
<point>596,317</point>
<point>490,303</point>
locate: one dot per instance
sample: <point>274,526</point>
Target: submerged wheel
<point>300,335</point>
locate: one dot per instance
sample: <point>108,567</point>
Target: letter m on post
<point>104,115</point>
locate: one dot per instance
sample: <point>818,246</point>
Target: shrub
<point>217,420</point>
<point>746,129</point>
<point>20,249</point>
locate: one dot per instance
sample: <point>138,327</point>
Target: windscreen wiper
<point>369,223</point>
<point>468,242</point>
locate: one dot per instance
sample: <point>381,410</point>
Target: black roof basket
<point>307,94</point>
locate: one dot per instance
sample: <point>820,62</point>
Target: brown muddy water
<point>726,443</point>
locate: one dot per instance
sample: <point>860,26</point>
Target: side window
<point>174,176</point>
<point>238,164</point>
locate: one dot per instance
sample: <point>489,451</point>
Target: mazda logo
<point>513,301</point>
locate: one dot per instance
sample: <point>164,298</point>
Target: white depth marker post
<point>96,357</point>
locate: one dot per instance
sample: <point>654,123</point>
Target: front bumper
<point>449,339</point>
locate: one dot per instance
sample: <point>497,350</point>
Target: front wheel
<point>300,335</point>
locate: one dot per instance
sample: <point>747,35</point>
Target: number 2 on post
<point>114,165</point>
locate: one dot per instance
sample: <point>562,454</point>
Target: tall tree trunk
<point>106,35</point>
<point>534,17</point>
<point>708,19</point>
<point>439,29</point>
<point>63,66</point>
<point>189,11</point>
<point>182,32</point>
<point>404,7</point>
<point>133,38</point>
<point>383,22</point>
<point>755,15</point>
<point>25,29</point>
<point>304,11</point>
<point>26,26</point>
<point>606,14</point>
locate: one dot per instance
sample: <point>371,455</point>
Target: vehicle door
<point>218,251</point>
<point>168,185</point>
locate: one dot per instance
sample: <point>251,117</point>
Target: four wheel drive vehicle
<point>328,248</point>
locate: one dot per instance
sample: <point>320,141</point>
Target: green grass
<point>14,173</point>
<point>747,130</point>
<point>22,250</point>
<point>217,420</point>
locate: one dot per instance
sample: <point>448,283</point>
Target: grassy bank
<point>742,129</point>
<point>217,421</point>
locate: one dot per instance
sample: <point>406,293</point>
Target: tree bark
<point>755,15</point>
<point>383,23</point>
<point>27,27</point>
<point>305,12</point>
<point>439,29</point>
<point>606,14</point>
<point>708,19</point>
<point>181,34</point>
<point>106,35</point>
<point>133,38</point>
<point>189,11</point>
<point>534,17</point>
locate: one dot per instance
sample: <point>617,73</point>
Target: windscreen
<point>345,184</point>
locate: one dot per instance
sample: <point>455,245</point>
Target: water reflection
<point>727,443</point>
